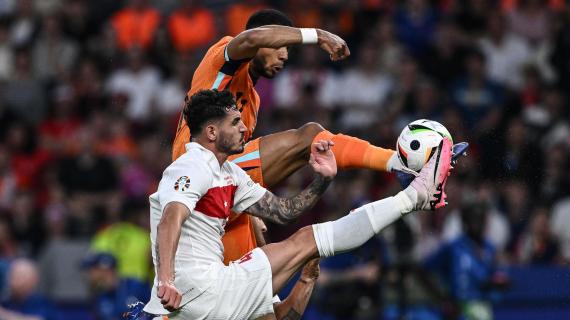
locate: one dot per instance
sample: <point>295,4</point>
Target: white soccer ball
<point>418,142</point>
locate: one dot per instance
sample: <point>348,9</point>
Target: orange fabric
<point>135,28</point>
<point>240,84</point>
<point>239,237</point>
<point>237,15</point>
<point>351,152</point>
<point>189,32</point>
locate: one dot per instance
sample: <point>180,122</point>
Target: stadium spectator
<point>111,293</point>
<point>391,51</point>
<point>496,228</point>
<point>192,26</point>
<point>23,302</point>
<point>236,15</point>
<point>468,265</point>
<point>136,25</point>
<point>364,90</point>
<point>53,54</point>
<point>531,20</point>
<point>59,129</point>
<point>137,83</point>
<point>6,53</point>
<point>505,53</point>
<point>350,283</point>
<point>25,24</point>
<point>128,242</point>
<point>311,71</point>
<point>478,98</point>
<point>24,93</point>
<point>538,245</point>
<point>415,25</point>
<point>62,282</point>
<point>560,226</point>
<point>170,96</point>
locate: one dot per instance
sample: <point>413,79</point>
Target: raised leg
<point>285,152</point>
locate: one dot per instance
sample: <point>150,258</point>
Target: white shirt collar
<point>209,154</point>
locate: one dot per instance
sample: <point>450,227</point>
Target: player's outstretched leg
<point>426,192</point>
<point>285,152</point>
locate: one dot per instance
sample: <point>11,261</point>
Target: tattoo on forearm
<point>292,315</point>
<point>286,210</point>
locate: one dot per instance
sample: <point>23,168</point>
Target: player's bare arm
<point>296,303</point>
<point>285,210</point>
<point>246,44</point>
<point>168,234</point>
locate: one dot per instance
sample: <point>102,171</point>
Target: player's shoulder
<point>219,45</point>
<point>194,160</point>
<point>234,170</point>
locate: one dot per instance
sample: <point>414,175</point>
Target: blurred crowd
<point>90,94</point>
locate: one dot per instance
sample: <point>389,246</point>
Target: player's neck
<point>211,146</point>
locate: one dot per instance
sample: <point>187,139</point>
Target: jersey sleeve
<point>248,192</point>
<point>216,69</point>
<point>184,182</point>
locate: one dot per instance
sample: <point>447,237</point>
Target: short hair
<point>266,17</point>
<point>206,105</point>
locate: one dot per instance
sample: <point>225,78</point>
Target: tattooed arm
<point>282,210</point>
<point>286,210</point>
<point>295,304</point>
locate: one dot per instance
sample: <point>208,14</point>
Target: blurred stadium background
<point>90,93</point>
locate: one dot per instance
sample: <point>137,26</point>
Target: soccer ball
<point>418,142</point>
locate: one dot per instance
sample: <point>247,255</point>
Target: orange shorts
<point>239,238</point>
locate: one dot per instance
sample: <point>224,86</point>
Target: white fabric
<point>560,225</point>
<point>243,291</point>
<point>140,88</point>
<point>196,179</point>
<point>354,229</point>
<point>363,94</point>
<point>309,35</point>
<point>505,60</point>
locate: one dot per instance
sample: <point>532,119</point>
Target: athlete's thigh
<point>285,152</point>
<point>288,256</point>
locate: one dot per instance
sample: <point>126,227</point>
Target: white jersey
<point>210,192</point>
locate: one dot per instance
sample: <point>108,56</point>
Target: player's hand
<point>322,158</point>
<point>333,44</point>
<point>169,296</point>
<point>311,271</point>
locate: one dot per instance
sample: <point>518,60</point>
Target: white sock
<point>354,229</point>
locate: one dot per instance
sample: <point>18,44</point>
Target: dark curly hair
<point>206,105</point>
<point>266,17</point>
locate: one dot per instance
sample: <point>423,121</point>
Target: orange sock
<point>351,152</point>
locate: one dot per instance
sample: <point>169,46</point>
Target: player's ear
<point>211,132</point>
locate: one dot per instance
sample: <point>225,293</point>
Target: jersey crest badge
<point>182,184</point>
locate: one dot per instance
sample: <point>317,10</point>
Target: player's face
<point>268,62</point>
<point>232,133</point>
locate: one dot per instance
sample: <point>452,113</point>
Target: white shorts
<point>243,291</point>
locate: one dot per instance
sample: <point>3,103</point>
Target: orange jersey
<point>218,71</point>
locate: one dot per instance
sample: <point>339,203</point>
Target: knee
<point>307,133</point>
<point>305,240</point>
<point>310,129</point>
